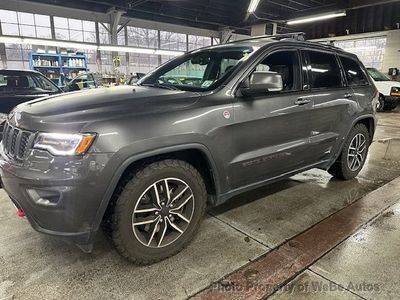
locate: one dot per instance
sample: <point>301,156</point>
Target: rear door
<point>272,128</point>
<point>357,79</point>
<point>332,102</point>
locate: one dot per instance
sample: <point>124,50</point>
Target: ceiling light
<point>253,6</point>
<point>169,52</point>
<point>126,49</point>
<point>317,18</point>
<point>62,44</point>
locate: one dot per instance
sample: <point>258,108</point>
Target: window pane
<point>89,37</point>
<point>196,42</point>
<point>89,26</point>
<point>42,20</point>
<point>61,22</point>
<point>283,64</point>
<point>13,52</point>
<point>44,84</point>
<point>43,32</point>
<point>27,30</point>
<point>325,72</point>
<point>10,29</point>
<point>62,34</point>
<point>370,50</point>
<point>142,37</point>
<point>8,16</point>
<point>354,73</point>
<point>173,41</point>
<point>75,24</point>
<point>75,35</point>
<point>25,18</point>
<point>104,34</point>
<point>121,37</point>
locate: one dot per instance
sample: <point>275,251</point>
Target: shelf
<point>81,68</point>
<point>47,67</point>
<point>45,54</point>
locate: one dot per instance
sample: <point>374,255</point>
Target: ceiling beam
<point>356,4</point>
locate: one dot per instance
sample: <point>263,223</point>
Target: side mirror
<point>261,82</point>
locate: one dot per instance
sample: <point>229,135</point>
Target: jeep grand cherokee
<point>144,160</point>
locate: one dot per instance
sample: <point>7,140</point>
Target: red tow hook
<point>20,213</point>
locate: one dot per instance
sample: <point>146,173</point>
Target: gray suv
<point>143,161</point>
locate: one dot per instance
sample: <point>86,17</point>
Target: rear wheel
<point>158,211</point>
<point>353,155</point>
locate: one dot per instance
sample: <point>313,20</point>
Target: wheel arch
<point>196,154</point>
<point>368,120</point>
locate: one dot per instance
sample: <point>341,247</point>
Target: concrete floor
<point>40,267</point>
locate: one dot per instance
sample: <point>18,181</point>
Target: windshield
<point>376,75</point>
<point>201,70</point>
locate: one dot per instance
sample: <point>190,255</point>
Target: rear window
<point>354,74</point>
<point>324,70</point>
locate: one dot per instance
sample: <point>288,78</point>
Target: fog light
<point>44,197</point>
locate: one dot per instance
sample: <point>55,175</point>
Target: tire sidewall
<point>347,172</point>
<point>129,198</point>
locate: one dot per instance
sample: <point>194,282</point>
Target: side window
<point>44,83</point>
<point>284,64</point>
<point>324,70</point>
<point>354,73</point>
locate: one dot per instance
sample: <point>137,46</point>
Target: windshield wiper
<point>161,86</point>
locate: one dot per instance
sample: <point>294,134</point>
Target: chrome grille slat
<point>16,142</point>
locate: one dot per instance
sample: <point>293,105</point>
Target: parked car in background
<point>18,86</point>
<point>389,90</point>
<point>82,82</point>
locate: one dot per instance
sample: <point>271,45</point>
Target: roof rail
<point>300,36</point>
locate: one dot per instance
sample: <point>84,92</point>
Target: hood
<point>384,87</point>
<point>74,109</point>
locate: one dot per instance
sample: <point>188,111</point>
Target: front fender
<point>126,162</point>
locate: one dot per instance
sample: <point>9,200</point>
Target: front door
<point>272,128</point>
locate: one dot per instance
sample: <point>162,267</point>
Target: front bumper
<point>60,196</point>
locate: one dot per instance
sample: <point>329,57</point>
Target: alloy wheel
<point>356,152</point>
<point>163,212</point>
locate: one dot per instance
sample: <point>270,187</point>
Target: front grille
<point>16,142</point>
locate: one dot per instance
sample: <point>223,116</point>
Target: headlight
<point>64,144</point>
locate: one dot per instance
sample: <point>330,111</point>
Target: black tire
<point>389,106</point>
<point>381,104</point>
<point>125,240</point>
<point>341,169</point>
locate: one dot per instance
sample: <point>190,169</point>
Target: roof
<point>16,71</point>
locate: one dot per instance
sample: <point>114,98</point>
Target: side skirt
<point>226,196</point>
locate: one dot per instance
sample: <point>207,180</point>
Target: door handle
<point>348,95</point>
<point>302,101</point>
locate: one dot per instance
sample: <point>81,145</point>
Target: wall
<point>392,51</point>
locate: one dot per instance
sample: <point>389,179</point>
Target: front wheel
<point>353,155</point>
<point>158,211</point>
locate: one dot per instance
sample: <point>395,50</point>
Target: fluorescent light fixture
<point>85,46</point>
<point>126,49</point>
<point>316,18</point>
<point>253,6</point>
<point>168,52</point>
<point>63,44</point>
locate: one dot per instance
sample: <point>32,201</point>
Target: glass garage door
<point>370,50</point>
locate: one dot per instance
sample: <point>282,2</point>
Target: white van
<point>389,90</point>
